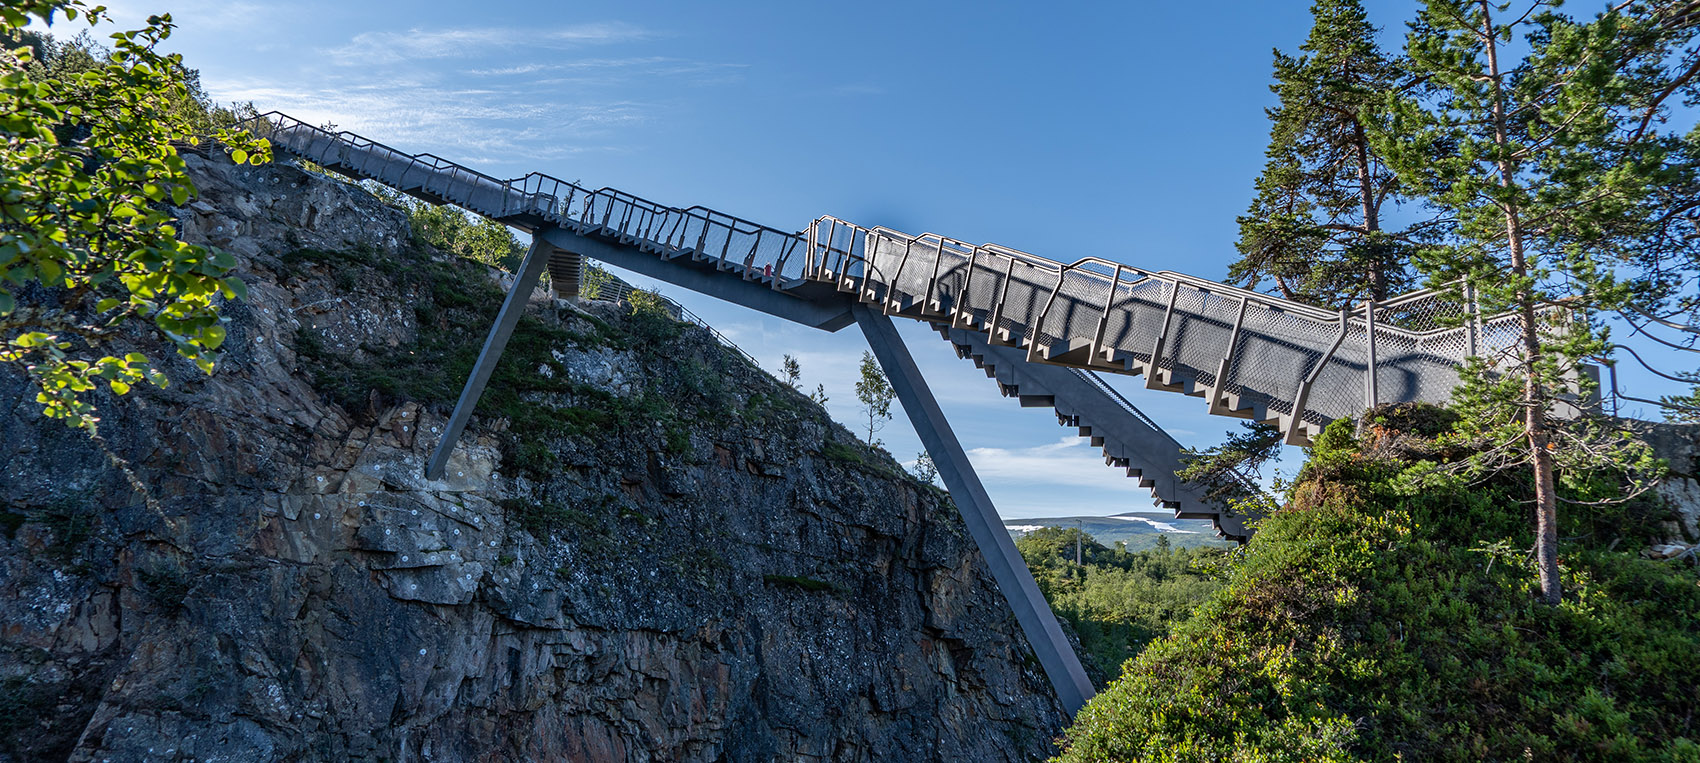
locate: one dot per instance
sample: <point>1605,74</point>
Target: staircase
<point>1038,326</point>
<point>1129,440</point>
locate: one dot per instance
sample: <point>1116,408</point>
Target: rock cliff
<point>645,549</point>
<point>1679,446</point>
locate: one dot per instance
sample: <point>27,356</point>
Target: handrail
<point>1203,284</point>
<point>605,191</point>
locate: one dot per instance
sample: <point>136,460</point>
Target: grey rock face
<point>738,582</point>
<point>1678,445</point>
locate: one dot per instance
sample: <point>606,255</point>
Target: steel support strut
<point>530,271</point>
<point>1060,662</point>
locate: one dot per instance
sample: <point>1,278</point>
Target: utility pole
<point>1077,535</point>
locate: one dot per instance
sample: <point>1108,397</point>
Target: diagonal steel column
<point>1060,662</point>
<point>530,271</point>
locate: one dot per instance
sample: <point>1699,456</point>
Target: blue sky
<point>1130,131</point>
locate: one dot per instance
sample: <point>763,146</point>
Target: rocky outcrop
<point>645,549</point>
<point>1679,446</point>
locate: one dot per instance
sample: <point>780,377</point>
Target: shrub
<point>1374,619</point>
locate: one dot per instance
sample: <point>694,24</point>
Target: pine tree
<point>1556,183</point>
<point>875,394</point>
<point>925,470</point>
<point>1316,228</point>
<point>790,371</point>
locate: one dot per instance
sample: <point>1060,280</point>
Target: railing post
<point>1227,364</point>
<point>1301,401</point>
<point>750,259</point>
<point>826,250</point>
<point>1371,396</point>
<point>809,255</point>
<point>891,284</point>
<point>1152,369</point>
<point>997,307</point>
<point>932,283</point>
<point>961,313</point>
<point>1472,321</point>
<point>1104,318</point>
<point>1034,352</point>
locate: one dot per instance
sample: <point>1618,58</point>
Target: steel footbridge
<point>1043,329</point>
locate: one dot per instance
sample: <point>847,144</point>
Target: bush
<point>1376,620</point>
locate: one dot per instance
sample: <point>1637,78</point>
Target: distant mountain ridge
<point>1138,529</point>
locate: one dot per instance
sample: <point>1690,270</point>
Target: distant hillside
<point>1138,529</point>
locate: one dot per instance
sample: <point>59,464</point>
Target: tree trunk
<point>1372,220</point>
<point>1535,424</point>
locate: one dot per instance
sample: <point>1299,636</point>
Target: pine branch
<point>1658,101</point>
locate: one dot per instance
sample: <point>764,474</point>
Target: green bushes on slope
<point>1375,620</point>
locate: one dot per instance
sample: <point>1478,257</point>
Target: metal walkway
<point>1041,328</point>
<point>1249,355</point>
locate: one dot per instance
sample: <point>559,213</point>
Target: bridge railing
<point>753,251</point>
<point>1305,364</point>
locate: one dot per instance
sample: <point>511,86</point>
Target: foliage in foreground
<point>88,167</point>
<point>1117,601</point>
<point>1373,621</point>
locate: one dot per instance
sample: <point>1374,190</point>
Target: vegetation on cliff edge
<point>1376,620</point>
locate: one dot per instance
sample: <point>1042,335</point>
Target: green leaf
<point>50,272</point>
<point>119,387</point>
<point>105,305</point>
<point>239,156</point>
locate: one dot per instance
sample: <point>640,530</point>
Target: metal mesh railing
<point>752,251</point>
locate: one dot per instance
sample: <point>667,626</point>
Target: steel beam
<point>827,313</point>
<point>530,271</point>
<point>1055,655</point>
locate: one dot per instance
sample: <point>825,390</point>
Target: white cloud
<point>417,44</point>
<point>604,68</point>
<point>477,126</point>
<point>1069,462</point>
